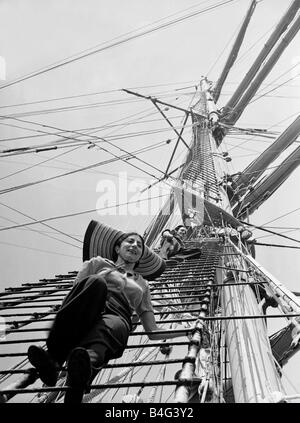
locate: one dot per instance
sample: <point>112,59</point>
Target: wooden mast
<point>234,51</point>
<point>232,115</point>
<point>260,193</point>
<point>254,375</point>
<point>256,168</point>
<point>278,31</point>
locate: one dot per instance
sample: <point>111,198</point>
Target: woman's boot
<point>79,374</point>
<point>47,368</point>
<point>83,365</point>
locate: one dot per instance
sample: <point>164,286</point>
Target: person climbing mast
<point>94,322</point>
<point>171,242</point>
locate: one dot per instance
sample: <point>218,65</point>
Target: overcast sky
<point>136,53</point>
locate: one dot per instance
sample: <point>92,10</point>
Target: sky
<point>135,52</point>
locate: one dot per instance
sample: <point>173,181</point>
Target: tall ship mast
<point>215,286</point>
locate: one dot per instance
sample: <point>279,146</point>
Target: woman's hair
<point>179,226</point>
<point>121,239</point>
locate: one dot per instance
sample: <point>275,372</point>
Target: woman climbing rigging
<point>172,241</point>
<point>94,321</point>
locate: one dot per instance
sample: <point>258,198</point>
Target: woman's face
<point>131,249</point>
<point>182,232</point>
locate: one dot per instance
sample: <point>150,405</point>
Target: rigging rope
<point>113,103</point>
<point>81,212</point>
<point>269,231</point>
<point>275,245</point>
<point>41,233</point>
<point>98,50</point>
<point>95,93</point>
<point>44,224</point>
<point>278,86</point>
<point>37,249</point>
<point>102,163</point>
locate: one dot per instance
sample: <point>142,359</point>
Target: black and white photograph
<point>150,208</point>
